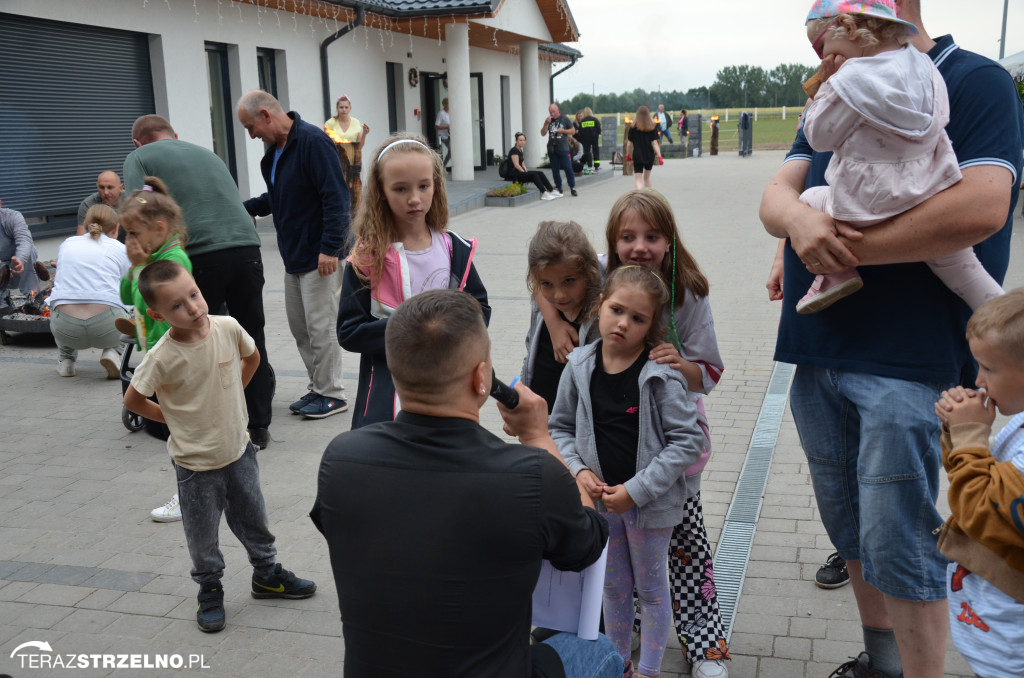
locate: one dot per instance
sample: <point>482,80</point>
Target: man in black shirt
<point>437,528</point>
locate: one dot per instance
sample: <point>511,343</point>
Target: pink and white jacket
<point>885,118</point>
<point>364,312</point>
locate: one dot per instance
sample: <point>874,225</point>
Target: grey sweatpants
<point>233,491</point>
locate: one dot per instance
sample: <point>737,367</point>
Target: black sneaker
<point>210,611</point>
<point>574,193</point>
<point>282,584</point>
<point>302,402</point>
<point>859,668</point>
<point>260,437</point>
<point>833,573</point>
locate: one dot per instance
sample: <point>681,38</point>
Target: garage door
<point>70,94</point>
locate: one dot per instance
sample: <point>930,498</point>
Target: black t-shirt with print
<point>556,140</point>
<point>615,399</point>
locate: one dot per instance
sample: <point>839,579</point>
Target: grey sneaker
<point>833,573</point>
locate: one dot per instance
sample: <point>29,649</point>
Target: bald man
<point>437,527</point>
<point>109,191</point>
<point>307,195</point>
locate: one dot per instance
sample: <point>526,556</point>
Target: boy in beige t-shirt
<point>199,370</point>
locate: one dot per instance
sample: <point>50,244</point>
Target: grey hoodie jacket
<point>669,442</point>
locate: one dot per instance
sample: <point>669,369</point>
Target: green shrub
<point>510,191</point>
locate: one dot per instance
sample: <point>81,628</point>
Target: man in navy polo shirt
<point>870,368</point>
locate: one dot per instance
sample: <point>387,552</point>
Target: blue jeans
<point>561,160</point>
<point>586,658</point>
<point>872,446</point>
<point>667,134</point>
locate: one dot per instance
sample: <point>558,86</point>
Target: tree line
<point>734,87</point>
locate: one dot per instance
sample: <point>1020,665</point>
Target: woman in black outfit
<point>522,175</point>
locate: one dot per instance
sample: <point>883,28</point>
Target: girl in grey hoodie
<point>628,432</point>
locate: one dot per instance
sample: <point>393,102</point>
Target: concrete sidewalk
<point>84,569</point>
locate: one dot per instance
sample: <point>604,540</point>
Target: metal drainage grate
<point>733,551</point>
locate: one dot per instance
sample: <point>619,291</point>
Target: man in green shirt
<point>222,241</point>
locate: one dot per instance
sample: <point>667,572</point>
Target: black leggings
<point>539,179</point>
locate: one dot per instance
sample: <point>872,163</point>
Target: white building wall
<point>522,17</point>
<point>357,61</point>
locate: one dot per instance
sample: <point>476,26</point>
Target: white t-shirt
<point>89,272</point>
<point>431,268</point>
<point>443,119</point>
<point>200,391</point>
<point>986,624</point>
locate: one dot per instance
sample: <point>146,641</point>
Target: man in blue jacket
<point>307,195</point>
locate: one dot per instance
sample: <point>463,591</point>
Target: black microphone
<point>502,393</point>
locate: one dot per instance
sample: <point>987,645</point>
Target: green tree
<point>740,86</point>
<point>784,84</point>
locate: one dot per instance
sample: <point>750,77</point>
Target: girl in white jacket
<point>884,114</point>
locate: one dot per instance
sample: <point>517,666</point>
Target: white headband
<point>401,141</point>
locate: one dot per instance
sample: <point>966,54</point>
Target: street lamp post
<point>1002,37</point>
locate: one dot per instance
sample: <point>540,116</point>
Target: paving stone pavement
<point>83,568</point>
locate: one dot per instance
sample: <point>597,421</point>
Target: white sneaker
<point>110,359</point>
<point>168,513</point>
<point>710,668</point>
<point>557,194</point>
<point>548,196</point>
<point>66,367</point>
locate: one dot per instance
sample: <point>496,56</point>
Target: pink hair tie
<point>147,187</point>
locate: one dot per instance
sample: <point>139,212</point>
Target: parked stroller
<point>132,421</point>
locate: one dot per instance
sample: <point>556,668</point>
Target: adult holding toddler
<point>85,299</point>
<point>867,378</point>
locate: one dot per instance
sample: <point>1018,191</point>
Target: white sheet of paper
<point>570,601</point>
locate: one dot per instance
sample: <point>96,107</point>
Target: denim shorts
<point>872,446</point>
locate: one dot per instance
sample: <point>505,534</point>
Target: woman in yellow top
<point>348,126</point>
<point>354,132</point>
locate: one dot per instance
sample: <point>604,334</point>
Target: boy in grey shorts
<point>199,369</point>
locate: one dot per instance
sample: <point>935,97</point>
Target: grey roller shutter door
<point>69,94</point>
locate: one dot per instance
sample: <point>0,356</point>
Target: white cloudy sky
<point>679,44</point>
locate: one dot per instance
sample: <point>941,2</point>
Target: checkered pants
<point>691,582</point>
